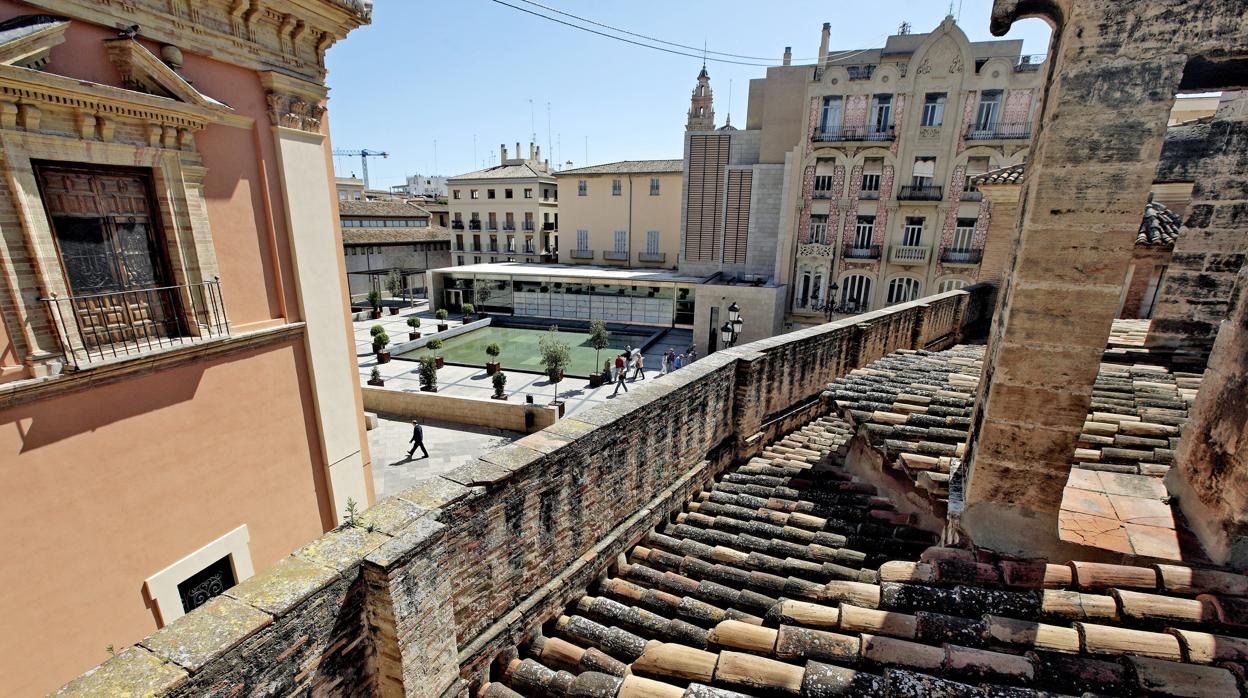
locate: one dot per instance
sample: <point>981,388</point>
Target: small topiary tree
<point>556,355</point>
<point>599,338</point>
<point>469,308</point>
<point>428,374</point>
<point>500,382</point>
<point>493,350</point>
<point>380,340</point>
<point>441,314</point>
<point>376,330</point>
<point>374,299</point>
<point>394,282</point>
<point>434,345</point>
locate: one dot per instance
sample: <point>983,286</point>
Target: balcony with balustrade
<point>999,132</point>
<point>909,255</point>
<point>581,254</point>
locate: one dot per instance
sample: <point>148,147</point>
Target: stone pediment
<point>143,71</point>
<point>27,41</point>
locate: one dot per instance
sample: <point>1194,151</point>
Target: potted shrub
<point>493,366</point>
<point>599,339</point>
<point>434,345</point>
<point>374,300</point>
<point>380,340</point>
<point>414,323</point>
<point>500,382</point>
<point>469,311</point>
<point>375,378</point>
<point>556,355</point>
<point>441,315</point>
<point>428,374</point>
<point>394,284</point>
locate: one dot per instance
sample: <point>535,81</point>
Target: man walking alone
<point>621,374</point>
<point>417,440</point>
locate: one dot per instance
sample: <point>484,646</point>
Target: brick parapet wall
<point>435,582</point>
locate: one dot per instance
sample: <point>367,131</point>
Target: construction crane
<point>364,155</point>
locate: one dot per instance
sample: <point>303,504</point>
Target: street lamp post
<point>732,329</point>
<point>827,306</point>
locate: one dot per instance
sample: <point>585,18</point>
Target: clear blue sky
<point>448,70</point>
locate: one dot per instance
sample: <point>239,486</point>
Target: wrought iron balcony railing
<point>614,256</point>
<point>652,257</point>
<point>582,254</point>
<point>101,327</point>
<point>852,251</point>
<point>972,195</point>
<point>857,133</point>
<point>920,193</point>
<point>956,255</point>
<point>548,226</point>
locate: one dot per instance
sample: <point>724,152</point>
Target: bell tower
<point>701,109</point>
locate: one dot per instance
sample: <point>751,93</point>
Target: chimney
<point>823,42</point>
<point>538,154</point>
<point>502,152</point>
<point>531,150</point>
<point>517,149</point>
<point>788,55</point>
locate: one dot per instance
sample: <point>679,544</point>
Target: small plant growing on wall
<point>413,324</point>
<point>556,355</point>
<point>493,350</point>
<point>428,374</point>
<point>435,345</point>
<point>500,383</point>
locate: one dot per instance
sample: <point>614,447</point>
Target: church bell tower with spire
<point>701,109</point>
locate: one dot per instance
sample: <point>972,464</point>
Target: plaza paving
<point>451,445</point>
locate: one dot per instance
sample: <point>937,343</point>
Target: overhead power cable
<point>840,55</point>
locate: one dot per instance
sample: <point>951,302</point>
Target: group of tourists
<point>617,371</point>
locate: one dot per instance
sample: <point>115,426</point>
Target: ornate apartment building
<point>178,402</point>
<point>505,213</point>
<point>885,208</point>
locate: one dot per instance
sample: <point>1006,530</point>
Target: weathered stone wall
<point>1213,242</point>
<point>431,585</point>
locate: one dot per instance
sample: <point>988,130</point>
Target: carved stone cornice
<point>292,35</point>
<point>814,249</point>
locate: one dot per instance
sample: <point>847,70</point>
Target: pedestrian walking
<point>607,374</point>
<point>665,362</point>
<point>621,374</point>
<point>639,362</point>
<point>680,361</point>
<point>693,355</point>
<point>417,440</point>
<point>621,368</point>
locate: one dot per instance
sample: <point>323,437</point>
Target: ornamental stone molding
<point>294,103</point>
<point>291,35</point>
<point>814,249</point>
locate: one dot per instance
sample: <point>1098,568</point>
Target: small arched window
<point>902,290</point>
<point>856,292</point>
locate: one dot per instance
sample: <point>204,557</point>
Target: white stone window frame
<point>162,587</point>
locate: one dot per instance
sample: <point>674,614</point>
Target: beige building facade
<point>509,212</point>
<point>622,214</point>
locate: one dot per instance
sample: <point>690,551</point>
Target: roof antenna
<point>904,28</point>
<point>704,53</point>
<point>729,121</point>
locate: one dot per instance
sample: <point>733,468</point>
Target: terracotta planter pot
<point>413,336</point>
<point>492,367</point>
<point>377,382</point>
<point>595,380</point>
<point>434,389</point>
<point>383,357</point>
<point>438,359</point>
<point>499,397</point>
<point>375,313</point>
<point>442,327</point>
<point>560,406</point>
<point>394,311</point>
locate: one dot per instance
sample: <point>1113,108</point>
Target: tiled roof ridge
<point>766,593</point>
